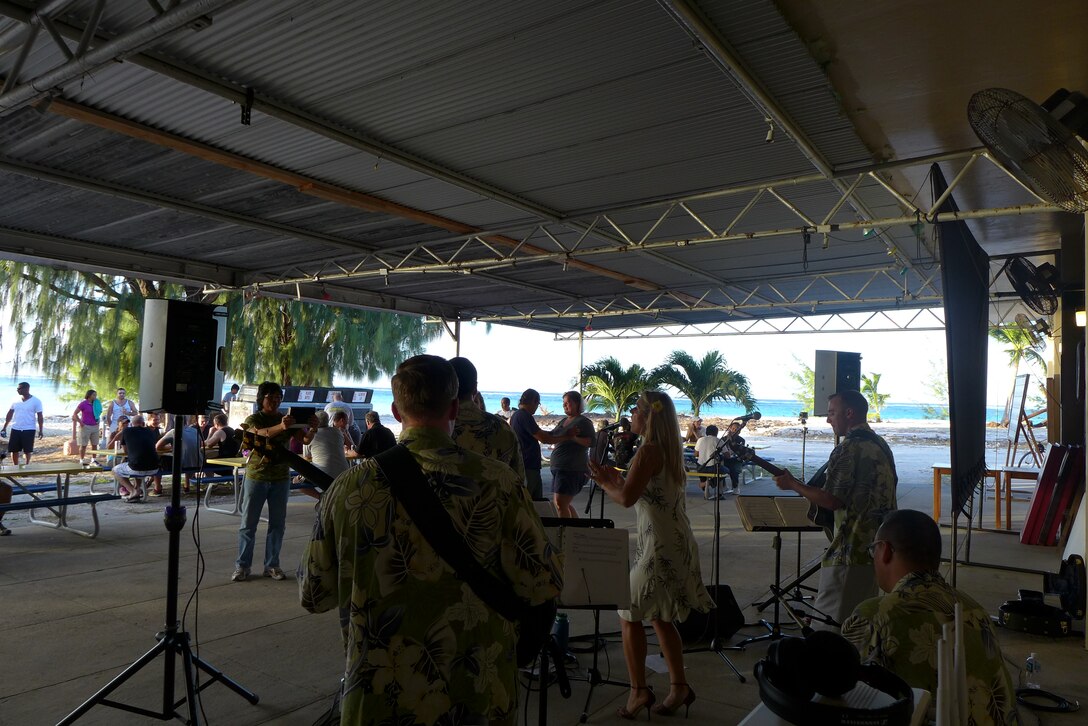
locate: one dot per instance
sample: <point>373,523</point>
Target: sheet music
<point>794,511</point>
<point>596,567</point>
<point>545,508</point>
<point>759,512</point>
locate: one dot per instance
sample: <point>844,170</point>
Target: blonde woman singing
<point>666,583</point>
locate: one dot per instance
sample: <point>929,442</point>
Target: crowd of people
<point>398,597</point>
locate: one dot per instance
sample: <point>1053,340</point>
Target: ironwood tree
<point>83,329</point>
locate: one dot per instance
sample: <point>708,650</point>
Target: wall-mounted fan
<point>1036,286</point>
<point>1036,331</point>
<point>1037,144</point>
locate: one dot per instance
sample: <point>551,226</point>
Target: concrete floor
<point>78,611</point>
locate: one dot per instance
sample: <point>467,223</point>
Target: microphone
<point>611,427</point>
<point>754,416</point>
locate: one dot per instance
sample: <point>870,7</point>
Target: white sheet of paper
<point>596,567</point>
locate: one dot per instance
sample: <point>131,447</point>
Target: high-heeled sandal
<point>689,699</point>
<point>623,713</point>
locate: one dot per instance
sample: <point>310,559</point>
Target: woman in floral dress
<point>666,582</point>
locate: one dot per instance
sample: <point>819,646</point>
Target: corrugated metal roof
<point>495,114</point>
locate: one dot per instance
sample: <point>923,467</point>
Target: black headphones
<point>796,669</point>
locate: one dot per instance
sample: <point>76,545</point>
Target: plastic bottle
<point>561,631</point>
<point>1032,668</point>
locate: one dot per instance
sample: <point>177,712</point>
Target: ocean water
<point>56,401</point>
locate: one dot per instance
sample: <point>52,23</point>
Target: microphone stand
<point>716,645</point>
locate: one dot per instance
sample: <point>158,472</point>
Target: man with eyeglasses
<point>900,629</point>
<point>857,484</point>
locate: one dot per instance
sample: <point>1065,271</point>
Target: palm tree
<point>610,386</point>
<point>1020,346</point>
<point>869,386</point>
<point>705,381</point>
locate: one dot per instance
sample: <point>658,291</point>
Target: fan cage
<point>1042,153</point>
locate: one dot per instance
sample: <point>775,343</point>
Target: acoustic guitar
<point>821,517</point>
<point>264,446</point>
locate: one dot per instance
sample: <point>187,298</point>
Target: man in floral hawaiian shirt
<point>900,630</point>
<point>480,431</point>
<point>858,485</point>
<point>421,647</point>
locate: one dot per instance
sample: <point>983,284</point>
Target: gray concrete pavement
<point>78,611</point>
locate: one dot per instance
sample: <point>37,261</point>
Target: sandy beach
<point>935,432</point>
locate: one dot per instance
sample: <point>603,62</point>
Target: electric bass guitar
<point>265,446</point>
<point>819,516</point>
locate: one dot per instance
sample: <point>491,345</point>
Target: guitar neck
<point>765,465</point>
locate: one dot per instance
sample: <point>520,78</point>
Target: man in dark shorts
<point>142,459</point>
<point>24,410</point>
<point>530,437</point>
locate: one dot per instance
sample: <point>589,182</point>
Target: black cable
<point>1040,700</point>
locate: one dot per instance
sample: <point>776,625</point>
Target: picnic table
<point>62,498</point>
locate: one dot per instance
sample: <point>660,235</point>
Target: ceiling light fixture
<point>770,130</point>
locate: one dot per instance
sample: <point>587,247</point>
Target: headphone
<point>796,669</point>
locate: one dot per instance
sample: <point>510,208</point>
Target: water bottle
<point>561,631</point>
<point>1032,668</point>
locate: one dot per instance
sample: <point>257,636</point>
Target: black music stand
<point>173,641</point>
<point>593,676</point>
<point>769,517</point>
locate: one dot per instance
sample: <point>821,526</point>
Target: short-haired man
<point>24,410</point>
<point>858,485</point>
<point>706,451</point>
<point>480,431</point>
<point>116,408</point>
<point>421,646</point>
<point>229,398</point>
<point>141,460</point>
<point>504,412</point>
<point>339,405</point>
<point>376,439</point>
<point>530,437</point>
<point>900,630</point>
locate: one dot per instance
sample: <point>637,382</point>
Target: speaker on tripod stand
<point>181,372</point>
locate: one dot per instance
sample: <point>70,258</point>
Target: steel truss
<point>89,53</point>
<point>1002,310</point>
<point>597,234</point>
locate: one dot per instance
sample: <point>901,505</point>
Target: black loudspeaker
<point>182,356</point>
<point>699,627</point>
<point>796,669</point>
<point>835,371</point>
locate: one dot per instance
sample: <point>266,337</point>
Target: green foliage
<point>805,378</point>
<point>870,385</point>
<point>305,344</point>
<point>79,328</point>
<point>84,331</point>
<point>705,381</point>
<point>1018,347</point>
<point>610,386</point>
<point>937,383</point>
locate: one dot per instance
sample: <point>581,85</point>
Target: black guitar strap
<point>424,507</point>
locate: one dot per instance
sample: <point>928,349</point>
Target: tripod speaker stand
<point>173,641</point>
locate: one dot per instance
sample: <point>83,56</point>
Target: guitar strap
<point>425,508</point>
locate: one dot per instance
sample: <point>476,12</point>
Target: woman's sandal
<point>623,713</point>
<point>689,699</point>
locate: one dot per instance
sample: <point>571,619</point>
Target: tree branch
<point>67,294</point>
